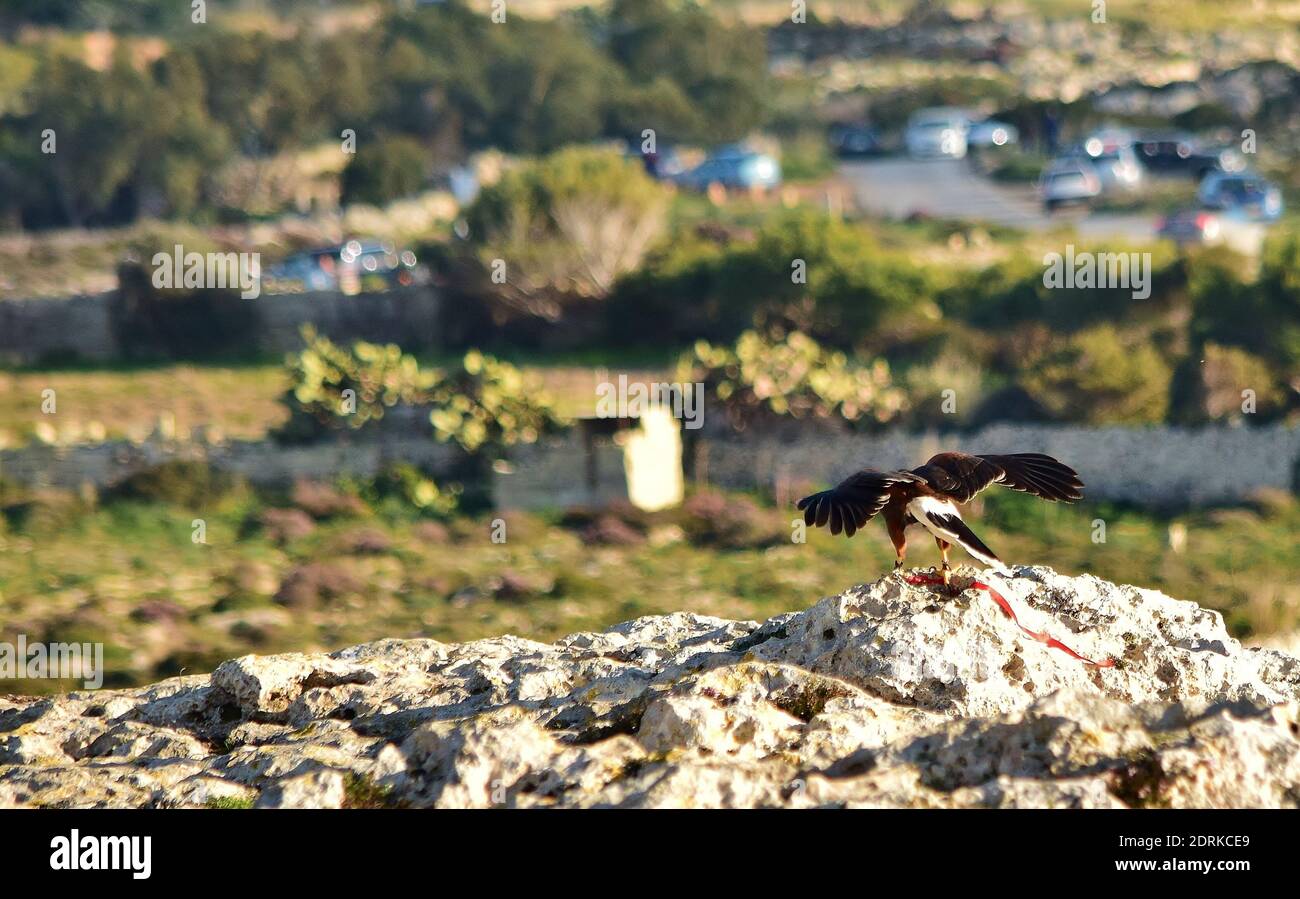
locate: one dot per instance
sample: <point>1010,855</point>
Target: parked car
<point>855,140</point>
<point>663,165</point>
<point>937,133</point>
<point>352,267</point>
<point>1245,192</point>
<point>1113,159</point>
<point>1069,183</point>
<point>1193,226</point>
<point>735,168</point>
<point>303,272</point>
<point>992,133</point>
<point>1180,154</point>
<point>1103,140</point>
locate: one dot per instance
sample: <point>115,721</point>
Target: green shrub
<point>338,388</point>
<point>1098,377</point>
<point>803,271</point>
<point>1211,386</point>
<point>482,405</point>
<point>487,404</point>
<point>178,482</point>
<point>560,229</point>
<point>806,157</point>
<point>926,384</point>
<point>409,486</point>
<point>229,802</point>
<point>1261,316</point>
<point>392,167</point>
<point>771,377</point>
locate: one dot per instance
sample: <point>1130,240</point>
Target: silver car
<point>938,133</point>
<point>1115,163</point>
<point>1068,184</point>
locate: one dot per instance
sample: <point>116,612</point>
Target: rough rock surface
<point>887,695</point>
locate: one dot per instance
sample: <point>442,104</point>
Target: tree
<point>390,167</point>
<point>563,227</point>
<point>721,70</point>
<point>187,145</point>
<point>102,123</point>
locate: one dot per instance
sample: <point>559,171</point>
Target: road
<point>896,187</point>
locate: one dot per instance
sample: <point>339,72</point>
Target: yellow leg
<point>947,569</point>
<point>900,548</point>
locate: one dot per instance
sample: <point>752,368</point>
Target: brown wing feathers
<point>852,503</point>
<point>1038,474</point>
<point>961,475</point>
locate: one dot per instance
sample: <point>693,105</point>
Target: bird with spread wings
<point>928,496</point>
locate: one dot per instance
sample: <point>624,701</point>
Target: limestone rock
<point>888,695</point>
<point>316,789</point>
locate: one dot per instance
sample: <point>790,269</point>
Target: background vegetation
<point>328,565</point>
<point>788,310</point>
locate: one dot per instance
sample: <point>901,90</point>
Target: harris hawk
<point>928,496</point>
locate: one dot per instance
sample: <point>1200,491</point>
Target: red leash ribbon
<point>1010,613</point>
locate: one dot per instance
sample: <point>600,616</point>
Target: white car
<point>938,133</point>
<point>1073,183</point>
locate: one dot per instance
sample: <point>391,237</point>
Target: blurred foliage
<point>411,487</point>
<point>945,390</point>
<point>481,405</point>
<point>488,404</point>
<point>791,375</point>
<point>149,139</point>
<point>192,484</point>
<point>560,229</point>
<point>394,167</point>
<point>1260,315</point>
<point>728,521</point>
<point>346,388</point>
<point>805,156</point>
<point>802,270</point>
<point>1097,377</point>
<point>1221,382</point>
<point>1075,354</point>
<point>666,47</point>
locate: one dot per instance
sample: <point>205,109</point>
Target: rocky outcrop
<point>891,694</point>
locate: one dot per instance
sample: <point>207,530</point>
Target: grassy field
<point>327,567</point>
<point>239,400</point>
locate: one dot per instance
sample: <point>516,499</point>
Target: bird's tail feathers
<point>954,530</point>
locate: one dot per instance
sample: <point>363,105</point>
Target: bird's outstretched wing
<point>961,476</point>
<point>853,502</point>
